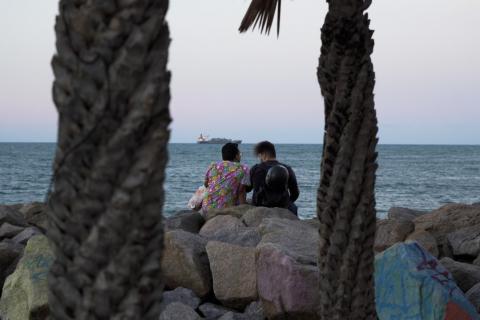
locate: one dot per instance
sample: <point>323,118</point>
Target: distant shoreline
<point>281,143</point>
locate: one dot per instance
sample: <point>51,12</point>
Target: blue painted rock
<point>412,284</point>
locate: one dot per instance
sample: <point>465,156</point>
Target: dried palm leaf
<point>261,13</point>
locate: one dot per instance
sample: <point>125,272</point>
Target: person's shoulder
<point>289,168</point>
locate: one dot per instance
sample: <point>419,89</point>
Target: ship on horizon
<point>205,140</point>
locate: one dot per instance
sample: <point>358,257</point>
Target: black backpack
<point>275,192</point>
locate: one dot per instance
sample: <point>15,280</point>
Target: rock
<point>236,211</point>
<point>447,219</point>
<point>187,220</point>
<point>8,230</point>
<point>313,222</point>
<point>213,311</point>
<point>25,292</point>
<point>411,284</point>
<point>255,216</point>
<point>399,213</point>
<point>390,232</point>
<point>473,295</point>
<point>25,235</point>
<point>287,273</point>
<point>182,295</point>
<point>10,253</point>
<point>185,262</point>
<point>465,241</point>
<point>233,273</point>
<point>254,311</point>
<point>232,316</point>
<point>36,214</point>
<point>426,240</point>
<point>9,215</point>
<point>179,311</point>
<point>466,275</point>
<point>230,230</point>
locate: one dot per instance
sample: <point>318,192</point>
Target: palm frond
<point>261,13</point>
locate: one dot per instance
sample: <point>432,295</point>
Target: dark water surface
<point>420,177</point>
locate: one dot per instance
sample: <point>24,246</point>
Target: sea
<point>422,177</point>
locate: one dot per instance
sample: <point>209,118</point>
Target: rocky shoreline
<point>256,263</point>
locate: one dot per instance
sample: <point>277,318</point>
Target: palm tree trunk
<point>345,199</point>
<point>111,90</point>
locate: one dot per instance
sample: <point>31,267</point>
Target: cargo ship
<point>205,140</point>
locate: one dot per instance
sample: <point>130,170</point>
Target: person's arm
<point>207,174</point>
<point>293,186</point>
<point>258,182</point>
<point>242,195</point>
<point>249,187</point>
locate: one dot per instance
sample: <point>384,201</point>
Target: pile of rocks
<point>450,233</point>
<point>247,262</point>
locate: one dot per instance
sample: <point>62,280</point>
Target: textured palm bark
<point>111,90</point>
<point>345,200</point>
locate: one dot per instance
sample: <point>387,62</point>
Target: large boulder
<point>25,292</point>
<point>466,275</point>
<point>185,262</point>
<point>10,253</point>
<point>255,216</point>
<point>12,216</point>
<point>465,241</point>
<point>399,213</point>
<point>26,234</point>
<point>287,273</point>
<point>187,220</point>
<point>182,295</point>
<point>390,232</point>
<point>229,229</point>
<point>410,283</point>
<point>179,311</point>
<point>233,273</point>
<point>426,240</point>
<point>213,311</point>
<point>473,296</point>
<point>235,211</point>
<point>36,214</point>
<point>8,230</point>
<point>448,218</point>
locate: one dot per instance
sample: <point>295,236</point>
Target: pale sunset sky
<point>253,87</point>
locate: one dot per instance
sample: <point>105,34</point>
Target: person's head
<point>265,150</point>
<point>230,152</point>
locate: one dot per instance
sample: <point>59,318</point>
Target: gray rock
<point>232,316</point>
<point>231,230</point>
<point>182,295</point>
<point>465,241</point>
<point>179,311</point>
<point>9,215</point>
<point>213,311</point>
<point>426,240</point>
<point>286,263</point>
<point>36,214</point>
<point>399,213</point>
<point>233,273</point>
<point>255,216</point>
<point>25,235</point>
<point>474,296</point>
<point>236,211</point>
<point>254,311</point>
<point>185,262</point>
<point>390,232</point>
<point>465,275</point>
<point>188,220</point>
<point>313,222</point>
<point>9,251</point>
<point>8,230</point>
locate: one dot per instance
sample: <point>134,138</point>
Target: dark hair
<point>230,151</point>
<point>265,147</point>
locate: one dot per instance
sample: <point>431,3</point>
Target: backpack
<point>275,191</point>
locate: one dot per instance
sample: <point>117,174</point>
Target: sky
<point>253,87</point>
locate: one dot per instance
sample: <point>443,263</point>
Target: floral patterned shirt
<point>224,180</point>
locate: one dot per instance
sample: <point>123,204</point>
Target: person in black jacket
<point>274,184</point>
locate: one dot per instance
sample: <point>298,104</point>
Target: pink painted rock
<point>287,274</point>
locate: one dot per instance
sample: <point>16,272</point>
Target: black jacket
<point>258,173</point>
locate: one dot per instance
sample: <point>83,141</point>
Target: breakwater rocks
<point>256,263</point>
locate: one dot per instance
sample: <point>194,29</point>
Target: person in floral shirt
<point>226,180</point>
